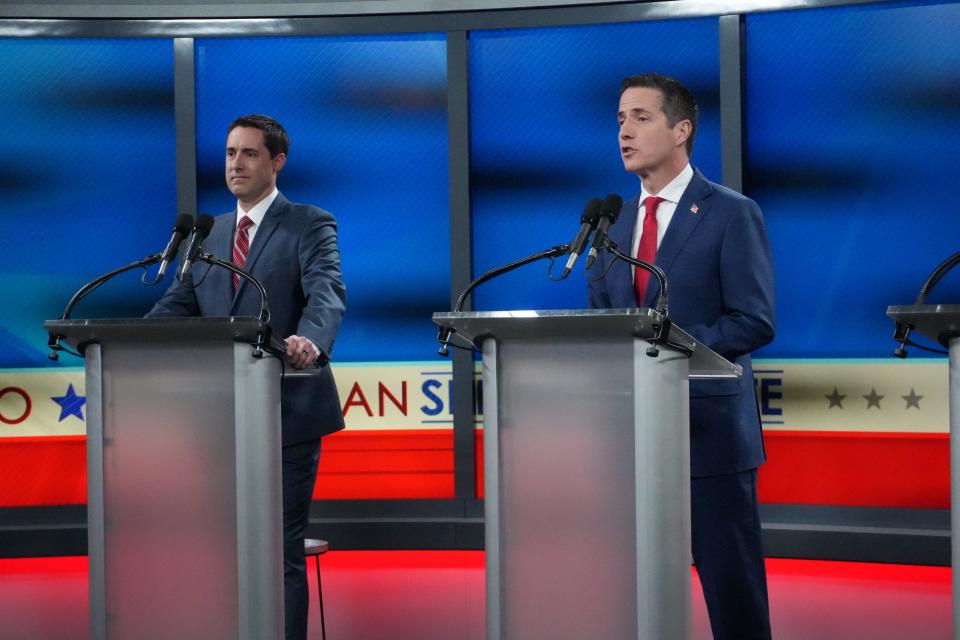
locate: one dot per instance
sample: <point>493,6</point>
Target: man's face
<point>647,141</point>
<point>250,171</point>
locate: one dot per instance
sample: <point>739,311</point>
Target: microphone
<point>609,211</point>
<point>588,222</point>
<point>201,229</point>
<point>180,230</point>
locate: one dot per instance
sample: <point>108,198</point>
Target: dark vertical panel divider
<point>731,99</point>
<point>184,92</point>
<point>458,136</point>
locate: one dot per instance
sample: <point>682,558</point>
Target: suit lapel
<point>688,214</point>
<point>271,220</point>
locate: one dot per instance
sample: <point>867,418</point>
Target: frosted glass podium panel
<point>941,323</point>
<point>587,472</point>
<point>183,470</point>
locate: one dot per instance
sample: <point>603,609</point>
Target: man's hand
<point>301,352</point>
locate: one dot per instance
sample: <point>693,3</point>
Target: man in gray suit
<point>292,249</point>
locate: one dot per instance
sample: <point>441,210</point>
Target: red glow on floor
<point>439,595</point>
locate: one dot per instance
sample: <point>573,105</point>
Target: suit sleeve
<point>322,282</point>
<point>180,301</point>
<point>747,288</point>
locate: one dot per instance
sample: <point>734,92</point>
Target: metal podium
<point>587,472</point>
<point>183,472</point>
<point>941,322</point>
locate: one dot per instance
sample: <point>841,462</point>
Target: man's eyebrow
<point>634,110</point>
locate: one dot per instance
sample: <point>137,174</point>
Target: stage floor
<point>439,595</point>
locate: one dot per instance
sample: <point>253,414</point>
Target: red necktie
<point>240,247</point>
<point>647,250</point>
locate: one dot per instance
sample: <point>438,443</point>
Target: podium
<point>941,323</point>
<point>184,513</point>
<point>587,472</point>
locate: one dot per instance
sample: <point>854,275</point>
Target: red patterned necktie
<point>240,247</point>
<point>647,250</point>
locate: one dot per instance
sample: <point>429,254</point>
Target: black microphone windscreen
<point>183,223</point>
<point>611,206</point>
<point>591,212</point>
<point>204,224</point>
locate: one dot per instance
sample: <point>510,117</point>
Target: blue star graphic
<point>70,404</point>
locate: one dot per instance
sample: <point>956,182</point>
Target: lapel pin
<point>694,208</point>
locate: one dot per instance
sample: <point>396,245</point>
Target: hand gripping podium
<point>587,472</point>
<point>184,511</point>
<point>941,322</point>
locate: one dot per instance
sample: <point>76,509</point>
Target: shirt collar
<point>259,210</point>
<point>674,189</point>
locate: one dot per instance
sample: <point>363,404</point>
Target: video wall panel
<point>87,182</point>
<point>853,165</point>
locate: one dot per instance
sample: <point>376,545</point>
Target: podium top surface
<point>939,322</point>
<point>581,323</point>
<point>82,332</point>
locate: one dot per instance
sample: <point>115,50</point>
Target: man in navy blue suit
<point>712,244</point>
<point>292,249</point>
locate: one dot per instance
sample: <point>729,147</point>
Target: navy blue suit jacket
<point>719,269</point>
<point>295,255</point>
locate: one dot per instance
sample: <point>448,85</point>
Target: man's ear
<point>681,132</point>
<point>278,161</point>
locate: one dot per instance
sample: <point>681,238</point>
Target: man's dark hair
<point>678,103</point>
<point>275,137</point>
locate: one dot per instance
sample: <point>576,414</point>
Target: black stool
<point>316,548</point>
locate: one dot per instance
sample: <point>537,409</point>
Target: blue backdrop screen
<point>87,183</point>
<point>368,123</point>
<point>852,155</point>
<point>544,137</point>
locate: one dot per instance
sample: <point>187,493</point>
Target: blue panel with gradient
<point>544,137</point>
<point>87,180</point>
<point>368,123</point>
<point>853,156</point>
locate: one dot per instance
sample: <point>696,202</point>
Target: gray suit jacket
<point>295,255</point>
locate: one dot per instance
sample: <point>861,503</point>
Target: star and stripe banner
<point>793,395</point>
